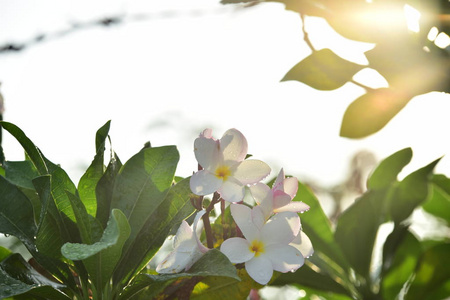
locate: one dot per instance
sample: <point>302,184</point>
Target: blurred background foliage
<point>410,39</point>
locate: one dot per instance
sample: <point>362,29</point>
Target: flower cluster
<point>270,236</point>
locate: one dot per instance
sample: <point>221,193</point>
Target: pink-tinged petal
<point>291,186</point>
<point>280,199</point>
<point>207,133</point>
<point>204,183</point>
<point>260,269</point>
<point>233,145</point>
<point>200,246</point>
<point>183,235</point>
<point>242,215</point>
<point>284,258</point>
<point>237,250</point>
<point>278,184</point>
<point>281,228</point>
<point>303,244</point>
<point>251,171</point>
<point>232,190</point>
<point>293,206</point>
<point>207,153</point>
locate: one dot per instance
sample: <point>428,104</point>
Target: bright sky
<point>187,66</point>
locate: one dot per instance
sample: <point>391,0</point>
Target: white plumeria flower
<point>224,167</point>
<point>187,248</point>
<point>265,247</point>
<point>279,198</point>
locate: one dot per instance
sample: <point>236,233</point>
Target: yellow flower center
<point>257,247</point>
<point>223,172</point>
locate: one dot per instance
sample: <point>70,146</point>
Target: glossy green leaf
<point>357,228</point>
<point>142,185</point>
<point>411,192</point>
<point>21,173</point>
<point>432,273</point>
<point>32,151</point>
<point>387,171</point>
<point>438,203</point>
<point>323,70</point>
<point>101,257</point>
<point>48,238</point>
<point>104,189</point>
<point>372,111</point>
<point>169,213</point>
<point>17,277</point>
<point>89,180</point>
<point>212,263</point>
<point>16,214</point>
<point>400,263</point>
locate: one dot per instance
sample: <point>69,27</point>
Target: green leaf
<point>104,189</point>
<point>323,70</point>
<point>89,180</point>
<point>101,257</point>
<point>411,192</point>
<point>17,277</point>
<point>219,288</point>
<point>4,253</point>
<point>142,185</point>
<point>372,111</point>
<point>21,173</point>
<point>31,150</point>
<point>317,226</point>
<point>212,263</point>
<point>357,228</point>
<point>85,224</point>
<point>387,171</point>
<point>400,264</point>
<point>49,238</point>
<point>306,277</point>
<point>16,214</point>
<point>439,202</point>
<point>168,214</point>
<point>432,273</point>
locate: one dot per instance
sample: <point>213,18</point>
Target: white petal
<point>260,269</point>
<point>200,246</point>
<point>232,190</point>
<point>281,228</point>
<point>207,152</point>
<point>294,206</point>
<point>233,145</point>
<point>204,183</point>
<point>178,261</point>
<point>237,250</point>
<point>184,233</point>
<point>242,215</point>
<point>258,217</point>
<point>284,258</point>
<point>251,171</point>
<point>303,244</point>
<point>263,196</point>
